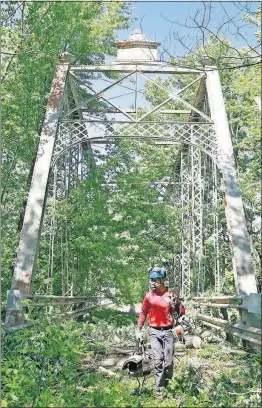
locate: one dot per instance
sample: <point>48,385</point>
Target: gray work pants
<point>162,353</point>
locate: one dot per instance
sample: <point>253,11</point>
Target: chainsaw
<point>185,325</point>
<point>138,364</point>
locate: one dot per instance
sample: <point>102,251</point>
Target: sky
<point>152,18</point>
<point>156,27</point>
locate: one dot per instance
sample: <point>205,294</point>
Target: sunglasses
<point>155,279</point>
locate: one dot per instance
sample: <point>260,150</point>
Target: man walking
<point>160,305</point>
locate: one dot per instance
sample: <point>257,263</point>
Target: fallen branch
<point>82,389</point>
<point>108,372</point>
<point>244,393</point>
<point>206,365</point>
<point>120,351</point>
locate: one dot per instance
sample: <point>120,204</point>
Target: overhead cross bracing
<point>151,125</point>
<point>160,131</point>
<point>93,107</point>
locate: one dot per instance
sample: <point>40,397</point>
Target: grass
<point>45,368</point>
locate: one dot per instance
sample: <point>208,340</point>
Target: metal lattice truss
<point>186,241</point>
<point>200,135</point>
<point>90,106</point>
<point>85,123</point>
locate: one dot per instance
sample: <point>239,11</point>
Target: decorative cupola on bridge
<point>137,50</point>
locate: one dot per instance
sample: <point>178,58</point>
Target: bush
<point>35,360</point>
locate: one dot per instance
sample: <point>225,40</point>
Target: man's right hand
<point>138,334</point>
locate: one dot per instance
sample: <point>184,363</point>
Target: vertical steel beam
<point>176,278</point>
<point>31,228</point>
<point>236,223</point>
<point>177,201</point>
<point>186,225</point>
<point>215,227</point>
<point>197,217</point>
<point>205,217</point>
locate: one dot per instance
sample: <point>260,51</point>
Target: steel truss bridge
<point>87,108</point>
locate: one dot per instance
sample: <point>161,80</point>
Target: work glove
<point>138,334</point>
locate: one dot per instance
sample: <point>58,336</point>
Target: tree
<point>239,88</point>
<point>200,29</point>
<point>33,35</point>
<point>109,229</point>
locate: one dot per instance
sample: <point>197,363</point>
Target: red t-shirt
<point>157,306</point>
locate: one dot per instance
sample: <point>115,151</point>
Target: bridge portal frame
<point>31,229</point>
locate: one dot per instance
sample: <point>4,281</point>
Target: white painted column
<point>236,222</point>
<point>31,228</point>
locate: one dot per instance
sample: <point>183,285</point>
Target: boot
<point>159,395</point>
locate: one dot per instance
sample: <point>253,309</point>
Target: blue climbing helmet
<point>155,272</point>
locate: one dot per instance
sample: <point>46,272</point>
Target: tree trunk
<point>193,342</point>
<point>229,336</point>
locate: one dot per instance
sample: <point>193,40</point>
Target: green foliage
<point>32,39</point>
<point>113,317</point>
<point>239,89</point>
<point>107,237</point>
<point>188,381</point>
<point>228,283</point>
<point>220,387</point>
<point>43,367</point>
<point>36,360</point>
